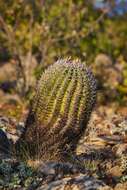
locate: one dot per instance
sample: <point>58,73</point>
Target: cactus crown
<point>61,107</point>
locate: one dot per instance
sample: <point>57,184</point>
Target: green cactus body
<point>61,108</point>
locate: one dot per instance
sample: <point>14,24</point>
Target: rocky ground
<point>100,161</point>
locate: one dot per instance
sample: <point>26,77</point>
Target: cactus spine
<point>61,108</point>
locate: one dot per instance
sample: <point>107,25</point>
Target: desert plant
<point>60,109</point>
<point>13,175</point>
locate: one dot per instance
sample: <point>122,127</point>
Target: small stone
<point>121,186</point>
<point>78,182</point>
<point>115,171</point>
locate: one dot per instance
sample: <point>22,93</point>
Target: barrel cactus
<point>60,110</point>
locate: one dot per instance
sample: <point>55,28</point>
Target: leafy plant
<point>15,175</point>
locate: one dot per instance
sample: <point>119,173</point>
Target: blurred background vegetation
<point>33,34</point>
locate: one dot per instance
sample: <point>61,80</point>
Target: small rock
<point>121,186</point>
<point>57,169</point>
<point>115,171</point>
<point>12,129</point>
<point>78,182</point>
